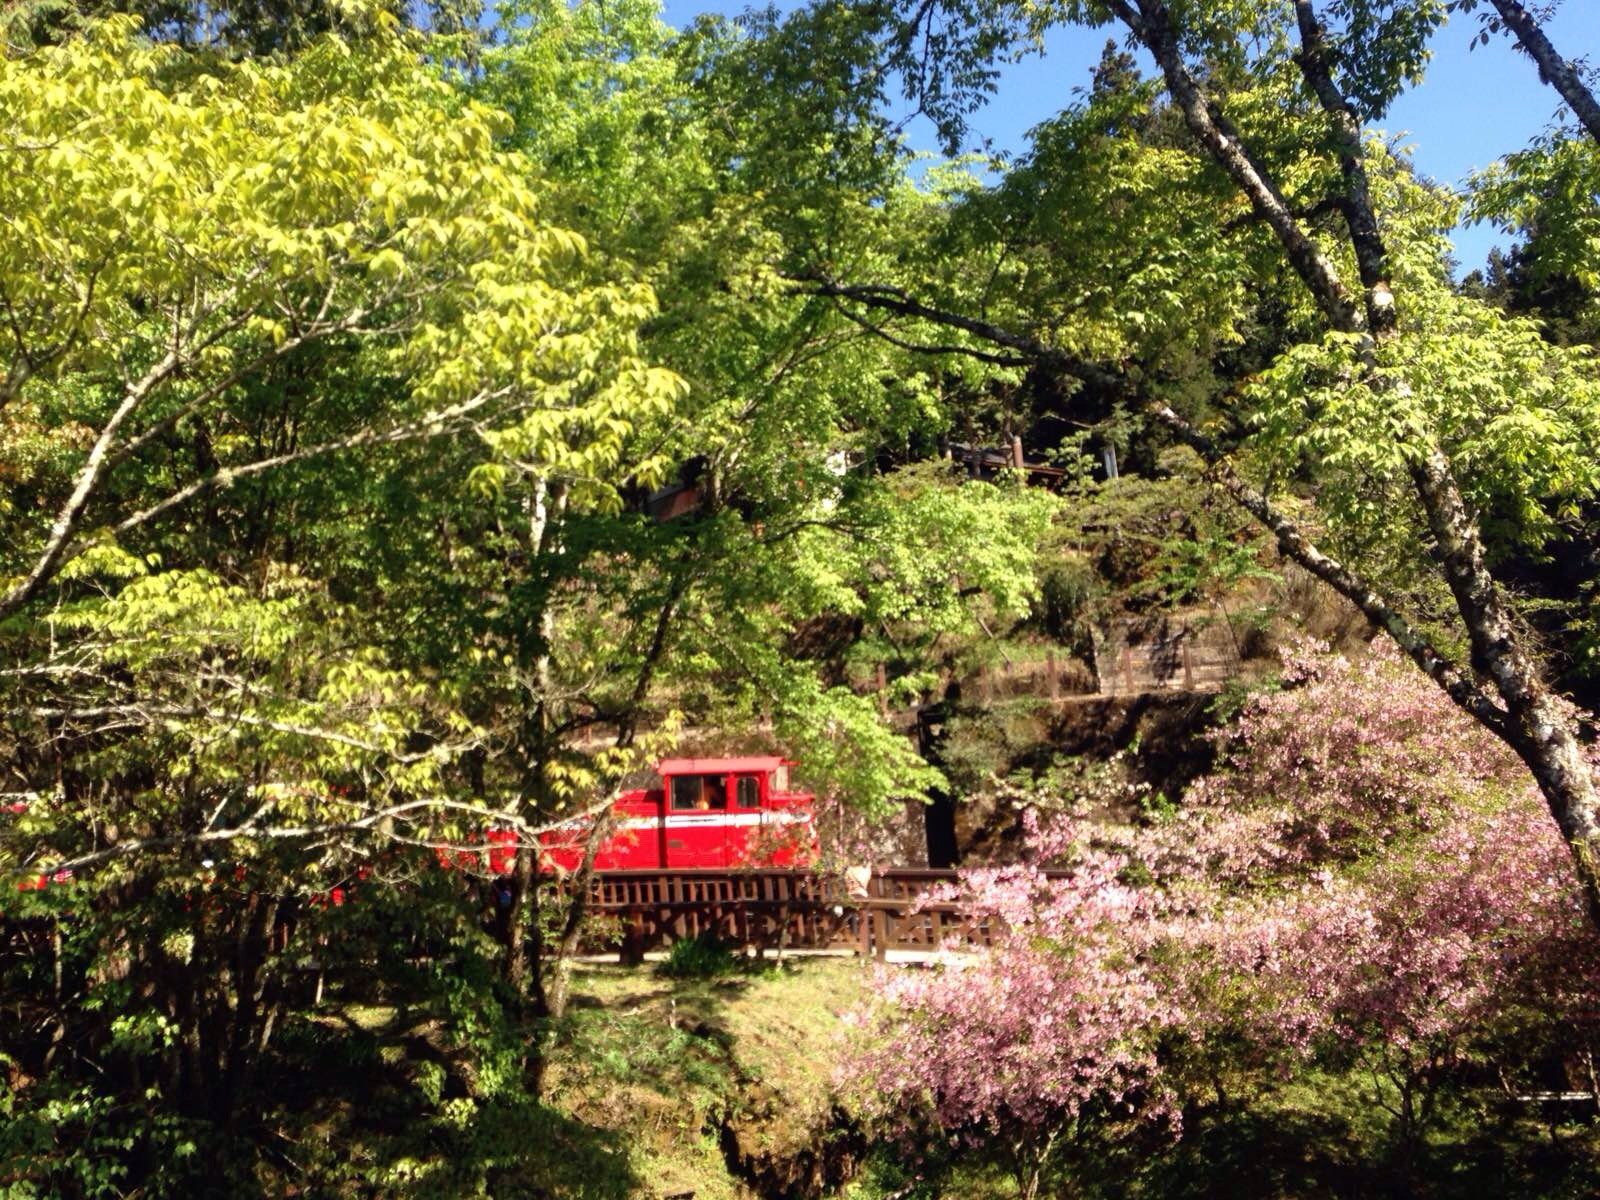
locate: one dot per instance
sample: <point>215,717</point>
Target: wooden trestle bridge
<point>885,914</point>
<point>874,915</point>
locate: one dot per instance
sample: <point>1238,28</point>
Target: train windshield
<point>686,791</point>
<point>749,791</point>
<point>698,792</point>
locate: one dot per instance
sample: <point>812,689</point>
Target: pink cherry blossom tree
<point>1046,1036</point>
<point>1371,881</point>
<point>1367,882</point>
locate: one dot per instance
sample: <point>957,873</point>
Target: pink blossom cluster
<point>1060,1015</point>
<point>1367,873</point>
<point>1372,872</point>
<point>1424,952</point>
<point>1347,758</point>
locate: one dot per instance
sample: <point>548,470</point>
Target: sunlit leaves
<point>224,214</point>
<point>1380,47</point>
<point>1550,192</point>
<point>1521,417</point>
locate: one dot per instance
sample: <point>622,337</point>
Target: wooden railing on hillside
<point>775,910</point>
<point>1184,652</point>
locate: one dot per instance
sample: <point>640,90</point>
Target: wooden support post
<point>883,690</point>
<point>631,953</point>
<point>880,933</point>
<point>1188,668</point>
<point>1016,451</point>
<point>1054,679</point>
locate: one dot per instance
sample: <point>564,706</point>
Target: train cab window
<point>686,792</point>
<point>698,792</point>
<point>715,794</point>
<point>748,789</point>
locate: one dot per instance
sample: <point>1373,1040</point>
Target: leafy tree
<point>146,282</point>
<point>696,167</point>
<point>1411,415</point>
<point>407,679</point>
<point>245,302</point>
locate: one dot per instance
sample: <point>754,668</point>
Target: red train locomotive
<point>708,812</point>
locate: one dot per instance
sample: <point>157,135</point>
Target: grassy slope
<point>660,1081</point>
<point>654,1083</point>
<point>668,1064</point>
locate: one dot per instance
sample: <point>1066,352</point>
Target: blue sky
<point>1473,107</point>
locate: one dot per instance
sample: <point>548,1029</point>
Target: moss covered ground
<point>715,1088</point>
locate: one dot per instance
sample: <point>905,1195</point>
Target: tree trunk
<point>252,971</point>
<point>523,936</point>
<point>524,959</point>
<point>554,995</point>
<point>1152,24</point>
<point>558,991</point>
<point>1553,69</point>
<point>1541,727</point>
<point>939,813</point>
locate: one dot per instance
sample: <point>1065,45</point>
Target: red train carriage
<point>708,812</point>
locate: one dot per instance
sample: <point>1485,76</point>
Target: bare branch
<point>224,717</point>
<point>133,445</point>
<point>879,331</point>
<point>436,424</point>
<point>370,822</point>
<point>66,522</point>
<point>895,300</point>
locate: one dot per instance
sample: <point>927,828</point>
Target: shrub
<point>703,957</point>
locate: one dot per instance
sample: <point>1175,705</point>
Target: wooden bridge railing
<point>781,909</point>
<point>762,910</point>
